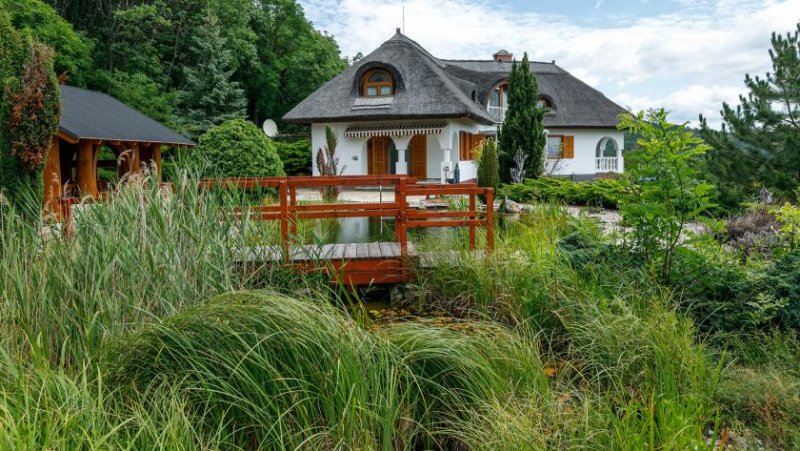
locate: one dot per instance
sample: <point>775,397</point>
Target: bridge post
<point>284,222</point>
<point>400,224</point>
<point>293,205</point>
<point>473,210</point>
<point>490,219</point>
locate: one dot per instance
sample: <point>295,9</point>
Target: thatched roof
<point>428,87</point>
<point>93,115</point>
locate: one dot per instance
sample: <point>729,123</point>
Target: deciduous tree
<point>665,191</point>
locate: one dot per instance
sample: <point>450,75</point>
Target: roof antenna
<point>403,23</point>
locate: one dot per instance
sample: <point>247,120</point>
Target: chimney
<point>503,56</point>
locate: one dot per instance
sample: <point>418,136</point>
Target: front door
<point>378,155</point>
<point>418,155</point>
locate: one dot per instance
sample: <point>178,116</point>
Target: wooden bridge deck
<point>353,263</point>
<point>340,251</point>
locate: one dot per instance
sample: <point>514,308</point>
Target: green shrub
<point>764,399</point>
<point>488,171</point>
<point>725,296</point>
<point>600,193</point>
<point>237,148</point>
<point>295,154</point>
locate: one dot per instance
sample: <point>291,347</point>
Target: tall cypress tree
<point>210,97</point>
<point>523,127</point>
<point>759,145</point>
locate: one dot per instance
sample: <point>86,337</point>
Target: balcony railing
<point>498,113</point>
<point>606,164</point>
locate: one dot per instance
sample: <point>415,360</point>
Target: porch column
<point>87,172</point>
<point>401,144</point>
<point>446,166</point>
<point>620,160</point>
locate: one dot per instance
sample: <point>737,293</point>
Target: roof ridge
<point>457,60</point>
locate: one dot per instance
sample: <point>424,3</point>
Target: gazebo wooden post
<point>136,161</point>
<point>52,180</point>
<point>156,155</point>
<point>87,169</point>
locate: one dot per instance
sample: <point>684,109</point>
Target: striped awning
<point>393,130</point>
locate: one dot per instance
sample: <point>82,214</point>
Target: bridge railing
<point>288,211</point>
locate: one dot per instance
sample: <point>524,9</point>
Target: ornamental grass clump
<point>277,373</point>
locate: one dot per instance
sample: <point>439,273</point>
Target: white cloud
<point>686,104</point>
<point>708,44</point>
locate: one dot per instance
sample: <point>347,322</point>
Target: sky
<point>687,56</point>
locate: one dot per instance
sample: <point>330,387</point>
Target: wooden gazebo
<point>89,121</point>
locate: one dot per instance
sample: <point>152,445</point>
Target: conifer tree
<point>759,145</point>
<point>210,97</point>
<point>488,174</point>
<point>523,127</point>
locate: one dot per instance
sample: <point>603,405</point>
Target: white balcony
<point>607,164</point>
<point>498,113</point>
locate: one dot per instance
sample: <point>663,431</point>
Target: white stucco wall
<point>586,141</point>
<point>352,152</point>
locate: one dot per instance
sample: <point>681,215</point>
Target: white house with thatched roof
<point>400,110</point>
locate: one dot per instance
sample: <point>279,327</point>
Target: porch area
<point>435,152</point>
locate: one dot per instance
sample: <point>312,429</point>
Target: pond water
<point>367,230</point>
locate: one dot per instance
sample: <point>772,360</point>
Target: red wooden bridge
<point>356,263</point>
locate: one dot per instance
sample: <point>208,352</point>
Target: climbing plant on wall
<point>29,114</point>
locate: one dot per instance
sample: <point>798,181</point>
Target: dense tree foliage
<point>210,96</point>
<point>72,50</point>
<point>29,111</point>
<point>237,148</point>
<point>759,145</point>
<point>523,127</point>
<point>147,53</point>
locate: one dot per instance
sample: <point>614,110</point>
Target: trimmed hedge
<point>600,193</point>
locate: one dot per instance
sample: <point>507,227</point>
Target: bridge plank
<point>375,250</point>
<point>349,251</point>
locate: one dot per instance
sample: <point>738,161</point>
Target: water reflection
<point>365,230</point>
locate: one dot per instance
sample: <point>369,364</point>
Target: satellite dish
<point>270,128</point>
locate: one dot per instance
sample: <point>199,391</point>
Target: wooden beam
<point>68,138</point>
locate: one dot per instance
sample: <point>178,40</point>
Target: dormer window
<point>543,103</point>
<point>377,83</point>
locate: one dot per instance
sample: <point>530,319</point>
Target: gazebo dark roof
<point>93,115</point>
<point>428,87</point>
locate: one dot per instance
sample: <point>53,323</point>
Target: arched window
<point>544,103</point>
<point>607,147</point>
<point>377,83</point>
